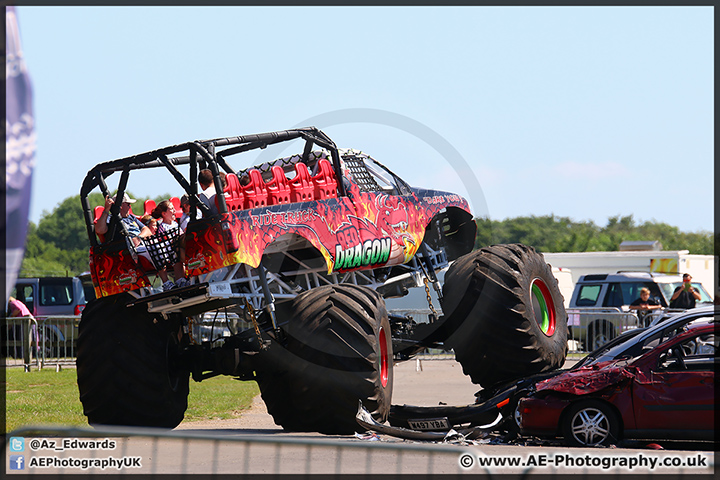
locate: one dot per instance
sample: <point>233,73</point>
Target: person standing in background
<point>686,295</point>
<point>16,308</point>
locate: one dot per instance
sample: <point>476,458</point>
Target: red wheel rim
<point>543,307</point>
<point>384,362</point>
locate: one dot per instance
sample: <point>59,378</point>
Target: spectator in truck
<point>131,222</point>
<point>164,213</point>
<point>686,295</point>
<point>138,229</point>
<point>185,218</point>
<point>150,227</point>
<point>207,196</point>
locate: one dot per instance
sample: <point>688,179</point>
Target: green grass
<point>42,396</point>
<point>219,397</point>
<point>47,396</point>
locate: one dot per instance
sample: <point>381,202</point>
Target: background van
<point>51,295</point>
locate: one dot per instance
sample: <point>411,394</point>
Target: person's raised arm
<point>676,293</point>
<point>101,226</point>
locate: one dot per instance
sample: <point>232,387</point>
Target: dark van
<point>51,295</point>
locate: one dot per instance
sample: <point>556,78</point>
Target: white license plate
<point>220,289</point>
<point>430,424</point>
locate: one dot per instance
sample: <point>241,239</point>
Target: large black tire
<point>338,350</point>
<point>506,314</point>
<point>126,366</point>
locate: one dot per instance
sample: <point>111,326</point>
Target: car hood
<point>590,379</point>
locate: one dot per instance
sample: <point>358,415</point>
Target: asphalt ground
<point>434,382</point>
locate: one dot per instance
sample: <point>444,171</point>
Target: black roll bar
<point>200,154</point>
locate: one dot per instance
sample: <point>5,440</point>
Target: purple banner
<point>19,150</point>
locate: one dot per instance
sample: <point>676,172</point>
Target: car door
<point>674,395</point>
<point>26,292</point>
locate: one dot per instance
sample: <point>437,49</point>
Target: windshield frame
<point>669,288</point>
<point>633,348</point>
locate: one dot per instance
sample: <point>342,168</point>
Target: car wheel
<point>599,334</point>
<point>589,424</point>
<point>517,417</point>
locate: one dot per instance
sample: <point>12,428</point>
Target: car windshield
<point>55,292</point>
<point>669,288</point>
<point>659,335</point>
<point>623,339</point>
<point>631,346</point>
<point>372,176</point>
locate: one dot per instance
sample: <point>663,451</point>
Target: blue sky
<point>580,112</point>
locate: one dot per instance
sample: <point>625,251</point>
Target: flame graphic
<point>371,215</point>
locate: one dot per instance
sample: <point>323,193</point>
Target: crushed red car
<point>663,388</point>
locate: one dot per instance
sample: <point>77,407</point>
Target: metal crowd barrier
<point>51,341</point>
<point>39,342</point>
<point>589,328</point>
<point>125,450</point>
<point>152,451</point>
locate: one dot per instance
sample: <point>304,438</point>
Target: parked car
<point>598,307</point>
<point>656,384</point>
<point>621,289</point>
<point>46,296</point>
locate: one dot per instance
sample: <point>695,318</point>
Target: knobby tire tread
<point>330,361</point>
<point>488,303</point>
<point>123,369</point>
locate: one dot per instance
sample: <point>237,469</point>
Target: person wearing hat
<point>133,225</point>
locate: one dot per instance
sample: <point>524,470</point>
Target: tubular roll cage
<point>201,154</point>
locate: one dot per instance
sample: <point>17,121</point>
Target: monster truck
<point>296,266</point>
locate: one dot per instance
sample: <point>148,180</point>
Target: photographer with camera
<point>686,295</point>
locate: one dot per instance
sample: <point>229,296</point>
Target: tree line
<point>552,234</point>
<point>58,244</point>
